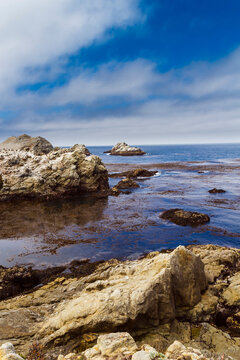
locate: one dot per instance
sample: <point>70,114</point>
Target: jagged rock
<point>218,260</point>
<point>7,352</point>
<point>231,295</point>
<point>177,351</point>
<point>216,191</point>
<point>82,148</point>
<point>137,173</point>
<point>59,173</point>
<point>116,343</point>
<point>184,218</point>
<point>38,145</point>
<point>124,149</point>
<point>126,184</point>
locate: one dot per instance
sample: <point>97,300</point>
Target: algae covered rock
<point>184,218</point>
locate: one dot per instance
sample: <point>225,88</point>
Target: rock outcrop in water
<point>184,218</point>
<point>134,174</point>
<point>124,149</point>
<point>59,173</point>
<point>38,145</point>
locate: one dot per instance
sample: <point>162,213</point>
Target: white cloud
<point>38,32</point>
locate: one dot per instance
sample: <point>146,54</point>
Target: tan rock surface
<point>139,294</point>
<point>38,145</point>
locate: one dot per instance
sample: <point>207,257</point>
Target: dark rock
<point>216,191</point>
<point>1,181</point>
<point>134,173</point>
<point>126,184</point>
<point>184,218</point>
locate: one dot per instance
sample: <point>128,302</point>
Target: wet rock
<point>184,218</point>
<point>216,191</point>
<point>127,184</point>
<point>38,145</point>
<point>16,280</point>
<point>137,173</point>
<point>59,173</point>
<point>124,149</point>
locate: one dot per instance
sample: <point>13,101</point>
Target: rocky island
<point>124,149</point>
<point>32,168</point>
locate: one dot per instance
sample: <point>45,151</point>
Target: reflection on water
<point>33,218</point>
<point>50,233</point>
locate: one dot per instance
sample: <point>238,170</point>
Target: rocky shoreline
<point>191,295</point>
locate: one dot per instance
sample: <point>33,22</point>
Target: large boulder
<point>124,149</point>
<point>38,145</point>
<point>58,173</point>
<point>133,294</point>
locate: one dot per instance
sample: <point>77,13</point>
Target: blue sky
<point>102,71</point>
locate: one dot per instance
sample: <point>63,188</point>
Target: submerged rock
<point>137,173</point>
<point>184,218</point>
<point>216,191</point>
<point>38,145</point>
<point>124,149</point>
<point>58,173</point>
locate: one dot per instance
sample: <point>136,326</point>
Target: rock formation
<point>159,299</point>
<point>184,218</point>
<point>38,145</point>
<point>124,149</point>
<point>58,173</point>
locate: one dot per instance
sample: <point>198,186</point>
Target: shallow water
<point>56,232</point>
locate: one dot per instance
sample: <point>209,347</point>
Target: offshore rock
<point>127,184</point>
<point>38,145</point>
<point>124,149</point>
<point>216,191</point>
<point>58,173</point>
<point>184,218</point>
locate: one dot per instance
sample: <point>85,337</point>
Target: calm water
<point>56,232</point>
<point>171,153</point>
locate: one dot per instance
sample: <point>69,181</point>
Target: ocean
<point>171,153</point>
<point>56,232</point>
